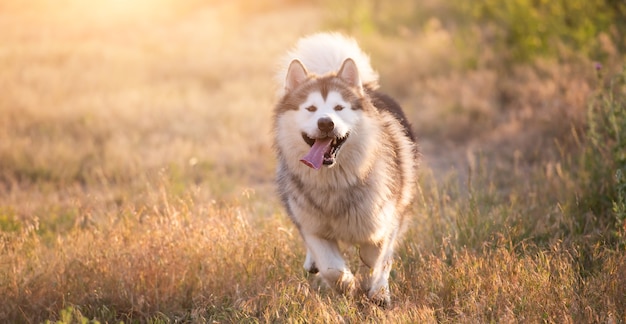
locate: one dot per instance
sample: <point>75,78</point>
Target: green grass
<point>605,156</point>
<point>136,170</point>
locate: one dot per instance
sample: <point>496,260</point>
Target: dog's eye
<point>338,107</point>
<point>311,108</point>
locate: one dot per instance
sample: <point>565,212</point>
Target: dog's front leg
<point>309,262</point>
<point>331,265</point>
<point>377,261</point>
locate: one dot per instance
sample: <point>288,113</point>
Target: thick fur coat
<point>347,161</point>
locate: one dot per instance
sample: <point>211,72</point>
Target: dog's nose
<point>325,124</point>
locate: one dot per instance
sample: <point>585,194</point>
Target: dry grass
<point>136,175</point>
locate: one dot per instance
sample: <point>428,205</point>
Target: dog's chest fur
<point>342,202</point>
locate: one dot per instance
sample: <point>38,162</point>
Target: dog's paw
<point>311,268</point>
<point>346,284</point>
<point>380,297</point>
<point>384,302</point>
<point>309,265</point>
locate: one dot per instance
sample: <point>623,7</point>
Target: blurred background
<point>113,110</point>
<point>111,92</point>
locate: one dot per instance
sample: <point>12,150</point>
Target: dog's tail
<point>325,52</point>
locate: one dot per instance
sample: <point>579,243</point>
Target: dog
<point>347,161</point>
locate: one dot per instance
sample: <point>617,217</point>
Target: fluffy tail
<point>325,52</point>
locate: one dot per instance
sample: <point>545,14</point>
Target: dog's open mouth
<point>323,150</point>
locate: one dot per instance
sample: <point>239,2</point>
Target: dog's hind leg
<point>331,265</point>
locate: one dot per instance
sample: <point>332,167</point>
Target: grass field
<point>136,168</point>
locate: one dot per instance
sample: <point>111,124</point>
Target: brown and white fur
<point>361,193</point>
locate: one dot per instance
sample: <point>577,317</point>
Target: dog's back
<point>384,102</point>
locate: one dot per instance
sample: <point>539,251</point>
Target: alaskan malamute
<point>347,161</point>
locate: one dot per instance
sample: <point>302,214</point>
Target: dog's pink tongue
<point>315,157</point>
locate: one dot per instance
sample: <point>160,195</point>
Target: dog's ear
<point>350,74</point>
<point>296,74</point>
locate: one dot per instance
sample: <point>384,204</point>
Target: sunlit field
<point>136,162</point>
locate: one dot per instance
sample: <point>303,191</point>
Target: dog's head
<point>324,110</point>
